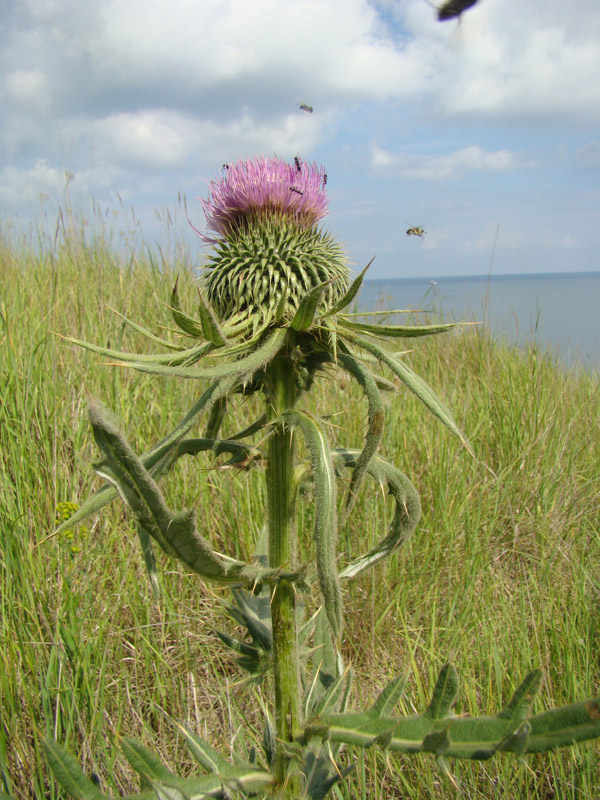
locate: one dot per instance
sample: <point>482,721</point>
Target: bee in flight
<point>416,232</point>
<point>305,107</point>
<point>298,191</point>
<point>453,8</point>
<point>297,163</point>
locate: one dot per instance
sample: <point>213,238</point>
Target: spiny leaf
<point>351,293</point>
<point>444,693</point>
<point>191,355</point>
<point>522,700</point>
<point>561,727</point>
<point>436,742</point>
<point>69,774</point>
<point>210,325</point>
<point>108,493</point>
<point>166,792</point>
<point>307,308</point>
<point>400,331</point>
<point>204,754</point>
<point>326,515</point>
<point>406,514</point>
<point>187,324</point>
<point>243,648</point>
<point>149,559</point>
<point>215,419</point>
<point>144,762</point>
<point>253,428</point>
<point>329,702</point>
<point>389,697</point>
<point>146,333</point>
<point>374,430</point>
<point>446,735</point>
<point>253,612</point>
<point>175,533</point>
<point>243,368</point>
<point>416,385</point>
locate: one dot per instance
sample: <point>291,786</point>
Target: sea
<point>557,312</point>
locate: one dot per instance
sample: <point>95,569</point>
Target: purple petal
<point>264,188</point>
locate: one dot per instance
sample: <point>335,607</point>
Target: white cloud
<point>40,180</point>
<point>451,165</point>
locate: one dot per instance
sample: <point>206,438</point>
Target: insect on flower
<point>298,191</point>
<point>324,180</point>
<point>297,163</point>
<point>305,107</point>
<point>416,232</point>
<point>453,8</point>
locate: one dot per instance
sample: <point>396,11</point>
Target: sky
<point>484,132</point>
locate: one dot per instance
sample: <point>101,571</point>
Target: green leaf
<point>440,732</point>
<point>253,428</point>
<point>144,762</point>
<point>374,429</point>
<point>307,308</point>
<point>416,385</point>
<point>242,369</point>
<point>326,515</point>
<point>351,293</point>
<point>175,533</point>
<point>69,774</point>
<point>253,612</point>
<point>190,355</point>
<point>407,511</point>
<point>400,331</point>
<point>187,324</point>
<point>444,693</point>
<point>217,414</point>
<point>149,559</point>
<point>148,334</point>
<point>520,704</point>
<point>389,697</point>
<point>210,324</point>
<point>154,456</point>
<point>165,791</point>
<point>562,727</point>
<point>206,755</point>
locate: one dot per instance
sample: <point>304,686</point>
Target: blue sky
<point>490,125</point>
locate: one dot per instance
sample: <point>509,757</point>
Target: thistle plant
<point>272,317</point>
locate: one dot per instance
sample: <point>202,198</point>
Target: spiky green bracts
<point>268,268</point>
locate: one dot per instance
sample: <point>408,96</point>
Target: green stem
<point>282,553</point>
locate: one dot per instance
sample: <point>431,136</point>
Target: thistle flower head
<point>265,189</point>
<point>268,252</point>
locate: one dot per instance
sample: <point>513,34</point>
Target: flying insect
<point>305,107</point>
<point>453,8</point>
<point>416,232</point>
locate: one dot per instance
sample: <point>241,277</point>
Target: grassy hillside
<point>503,574</point>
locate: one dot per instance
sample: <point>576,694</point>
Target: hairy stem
<point>282,553</point>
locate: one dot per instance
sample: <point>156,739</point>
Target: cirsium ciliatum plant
<point>272,315</point>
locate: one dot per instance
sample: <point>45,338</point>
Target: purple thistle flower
<point>264,189</point>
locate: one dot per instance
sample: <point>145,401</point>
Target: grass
<point>503,574</point>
